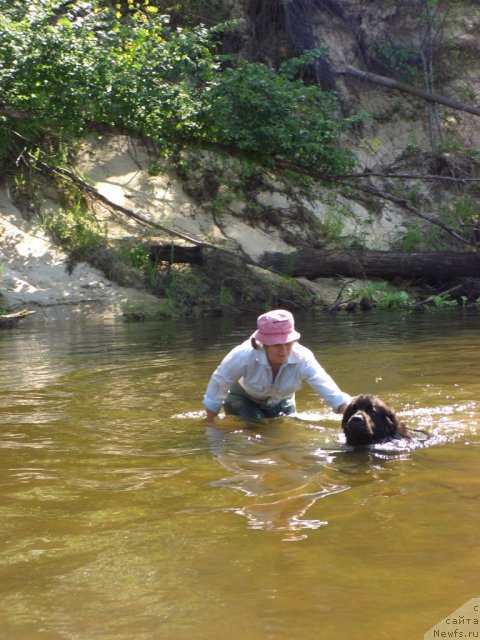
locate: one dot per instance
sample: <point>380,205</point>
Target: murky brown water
<point>123,518</point>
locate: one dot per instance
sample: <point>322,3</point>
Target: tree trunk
<point>311,264</point>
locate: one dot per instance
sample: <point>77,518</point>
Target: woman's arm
<point>323,383</point>
<point>228,371</point>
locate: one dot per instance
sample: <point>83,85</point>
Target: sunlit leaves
<point>271,115</point>
<point>109,64</point>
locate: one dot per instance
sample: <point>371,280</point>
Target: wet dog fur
<point>368,420</point>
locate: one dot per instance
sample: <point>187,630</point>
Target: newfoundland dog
<point>368,420</point>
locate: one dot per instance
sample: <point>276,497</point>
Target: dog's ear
<point>397,427</point>
<point>392,421</point>
<point>392,416</point>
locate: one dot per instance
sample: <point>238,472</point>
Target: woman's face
<point>277,354</point>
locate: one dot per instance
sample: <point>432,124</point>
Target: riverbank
<point>40,276</point>
<point>35,276</point>
<point>134,210</point>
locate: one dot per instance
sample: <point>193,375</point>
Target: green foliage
<point>187,12</point>
<point>375,294</point>
<point>183,288</point>
<point>6,141</point>
<point>461,213</point>
<point>465,210</point>
<point>333,226</point>
<point>226,296</point>
<point>266,113</point>
<point>134,311</point>
<point>76,229</point>
<point>395,300</point>
<point>371,293</point>
<point>403,59</point>
<point>137,256</point>
<point>412,238</point>
<point>129,70</point>
<point>442,301</point>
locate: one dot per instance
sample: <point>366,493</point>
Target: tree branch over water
<point>405,204</point>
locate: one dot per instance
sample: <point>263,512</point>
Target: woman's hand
<point>342,407</point>
<point>210,416</point>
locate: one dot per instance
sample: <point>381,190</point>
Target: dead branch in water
<point>10,319</point>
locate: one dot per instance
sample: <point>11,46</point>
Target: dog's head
<point>368,420</point>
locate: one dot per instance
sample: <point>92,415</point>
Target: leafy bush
<point>403,59</point>
<point>71,65</point>
<point>76,229</point>
<point>375,295</point>
<point>267,113</point>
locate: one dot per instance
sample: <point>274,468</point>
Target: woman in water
<point>258,378</point>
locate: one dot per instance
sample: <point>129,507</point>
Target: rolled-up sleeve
<point>217,390</point>
<point>228,371</point>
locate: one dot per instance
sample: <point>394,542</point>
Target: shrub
<point>93,64</point>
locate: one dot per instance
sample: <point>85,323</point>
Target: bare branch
<point>86,188</point>
<point>408,176</point>
<point>402,202</point>
<point>405,204</point>
<point>339,299</point>
<point>406,88</point>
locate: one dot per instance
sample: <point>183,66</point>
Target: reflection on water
<point>285,474</point>
<point>283,479</point>
<point>124,517</point>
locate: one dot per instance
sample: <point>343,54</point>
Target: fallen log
<point>10,319</point>
<point>310,263</point>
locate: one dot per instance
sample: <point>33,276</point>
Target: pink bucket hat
<point>276,327</point>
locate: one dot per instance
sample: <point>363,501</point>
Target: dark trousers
<point>239,403</point>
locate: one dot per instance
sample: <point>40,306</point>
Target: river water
<point>124,518</point>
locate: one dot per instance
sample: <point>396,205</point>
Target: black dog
<point>368,420</point>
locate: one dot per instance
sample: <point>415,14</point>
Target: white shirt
<point>250,367</point>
